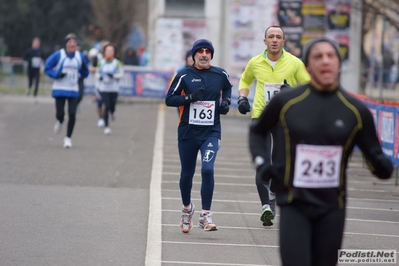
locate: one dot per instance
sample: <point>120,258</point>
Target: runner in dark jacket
<point>34,56</point>
<point>321,124</point>
<point>203,93</point>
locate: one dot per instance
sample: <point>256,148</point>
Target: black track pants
<point>310,235</point>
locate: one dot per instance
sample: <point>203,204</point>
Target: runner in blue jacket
<point>65,66</point>
<point>202,92</point>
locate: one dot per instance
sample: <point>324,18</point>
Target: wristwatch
<point>258,161</point>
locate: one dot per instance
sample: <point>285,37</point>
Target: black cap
<point>70,36</point>
<point>306,48</point>
<point>202,43</point>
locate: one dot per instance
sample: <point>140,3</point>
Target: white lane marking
<point>219,184</point>
<point>251,185</point>
<point>272,229</point>
<point>219,244</point>
<point>379,200</point>
<point>220,161</point>
<point>153,255</point>
<point>389,209</point>
<point>372,209</point>
<point>255,194</point>
<point>367,234</point>
<point>370,221</point>
<point>219,175</point>
<point>251,176</point>
<point>235,227</point>
<point>212,263</point>
<point>255,214</point>
<point>256,202</point>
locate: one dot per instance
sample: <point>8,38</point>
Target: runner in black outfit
<point>34,57</point>
<point>321,124</point>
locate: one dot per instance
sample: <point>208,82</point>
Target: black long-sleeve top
<point>34,58</point>
<point>307,116</point>
<point>217,86</point>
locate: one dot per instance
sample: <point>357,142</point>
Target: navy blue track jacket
<point>217,87</point>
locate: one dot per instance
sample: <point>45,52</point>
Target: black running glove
<point>197,95</point>
<point>224,107</point>
<point>83,66</point>
<point>383,167</point>
<point>270,171</point>
<point>243,105</point>
<point>285,86</point>
<point>61,75</point>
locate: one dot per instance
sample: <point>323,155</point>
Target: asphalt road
<point>115,200</point>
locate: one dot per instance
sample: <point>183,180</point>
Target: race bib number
<point>271,89</point>
<point>317,166</point>
<point>72,76</point>
<point>202,113</point>
<point>106,79</point>
<point>36,62</point>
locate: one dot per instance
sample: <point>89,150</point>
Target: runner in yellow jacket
<point>273,69</point>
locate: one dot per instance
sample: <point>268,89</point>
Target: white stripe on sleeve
<point>178,83</point>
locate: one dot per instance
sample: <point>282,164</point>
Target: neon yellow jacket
<point>269,79</point>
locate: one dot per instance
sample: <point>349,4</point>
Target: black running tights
<point>34,74</point>
<point>109,100</point>
<point>60,112</point>
<point>263,187</point>
<point>310,235</point>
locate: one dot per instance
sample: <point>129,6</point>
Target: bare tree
<point>115,18</point>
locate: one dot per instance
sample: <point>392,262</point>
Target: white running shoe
<point>186,223</point>
<point>67,142</point>
<point>107,131</point>
<point>57,127</point>
<point>205,222</point>
<point>267,215</point>
<point>101,122</point>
